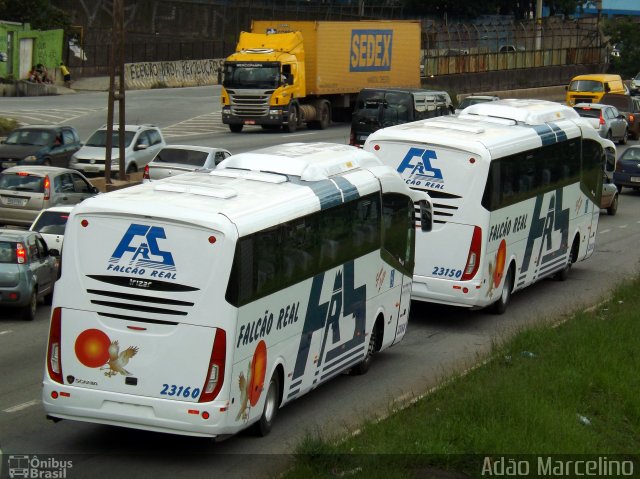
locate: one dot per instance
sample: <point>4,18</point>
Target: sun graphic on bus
<point>501,257</point>
<point>92,348</point>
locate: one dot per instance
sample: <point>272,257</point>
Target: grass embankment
<point>7,125</point>
<point>566,390</point>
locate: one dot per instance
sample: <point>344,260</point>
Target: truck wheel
<point>324,116</point>
<point>292,126</point>
<point>235,128</point>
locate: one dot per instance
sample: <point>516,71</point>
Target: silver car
<point>606,119</point>
<point>27,190</point>
<point>28,271</point>
<point>175,159</point>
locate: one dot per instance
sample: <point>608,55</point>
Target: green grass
<point>516,404</point>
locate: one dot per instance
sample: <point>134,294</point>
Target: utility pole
<point>539,25</point>
<point>116,67</point>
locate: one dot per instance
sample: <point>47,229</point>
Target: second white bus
<point>515,186</point>
<point>201,303</point>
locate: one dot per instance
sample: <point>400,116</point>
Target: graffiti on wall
<point>172,74</point>
<point>92,9</point>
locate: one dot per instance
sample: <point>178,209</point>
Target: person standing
<point>66,76</point>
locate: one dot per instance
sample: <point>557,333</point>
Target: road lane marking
<point>7,331</point>
<point>605,231</point>
<point>24,405</point>
<point>623,226</point>
<point>299,134</point>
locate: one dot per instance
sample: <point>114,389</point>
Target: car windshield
<point>22,182</point>
<point>181,156</point>
<point>588,112</point>
<point>586,85</point>
<point>632,154</point>
<point>7,252</point>
<point>30,137</point>
<point>99,138</point>
<point>51,222</point>
<point>252,75</point>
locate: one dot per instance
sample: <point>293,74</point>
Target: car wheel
<point>29,311</point>
<point>235,128</point>
<point>132,168</point>
<point>609,136</point>
<point>271,403</point>
<point>46,162</point>
<point>48,299</point>
<point>625,137</point>
<point>613,209</point>
<point>619,188</point>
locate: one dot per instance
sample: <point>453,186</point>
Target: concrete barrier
<point>172,74</point>
<point>551,93</point>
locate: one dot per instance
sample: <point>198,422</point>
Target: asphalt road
<point>439,341</point>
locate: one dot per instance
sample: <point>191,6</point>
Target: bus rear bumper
<point>149,414</point>
<point>465,294</point>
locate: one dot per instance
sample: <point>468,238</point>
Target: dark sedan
<point>627,172</point>
<point>39,145</point>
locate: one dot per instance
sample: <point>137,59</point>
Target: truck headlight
<point>29,158</point>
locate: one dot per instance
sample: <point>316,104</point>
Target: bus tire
<point>374,339</point>
<point>235,127</point>
<point>563,274</point>
<point>500,306</point>
<point>271,403</point>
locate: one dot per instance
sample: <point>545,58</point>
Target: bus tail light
<point>473,259</point>
<point>54,358</point>
<point>145,173</point>
<point>215,372</point>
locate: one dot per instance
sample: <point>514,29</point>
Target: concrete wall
<point>172,74</point>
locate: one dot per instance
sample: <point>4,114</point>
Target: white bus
<point>515,186</point>
<point>201,303</point>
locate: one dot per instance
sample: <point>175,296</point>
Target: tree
<point>40,14</point>
<point>625,33</point>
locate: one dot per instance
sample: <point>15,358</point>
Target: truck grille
<point>250,105</point>
<point>584,99</point>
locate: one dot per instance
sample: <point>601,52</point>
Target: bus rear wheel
<point>563,274</point>
<point>500,306</point>
<point>271,403</point>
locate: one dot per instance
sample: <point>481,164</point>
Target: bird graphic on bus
<point>252,384</point>
<point>118,360</point>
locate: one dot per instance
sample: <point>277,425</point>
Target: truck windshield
<point>251,75</point>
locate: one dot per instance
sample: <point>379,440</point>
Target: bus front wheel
<point>271,403</point>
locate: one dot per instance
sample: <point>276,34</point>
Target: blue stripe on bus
<point>330,192</point>
<point>550,133</point>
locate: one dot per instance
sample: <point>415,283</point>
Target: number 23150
<point>446,272</point>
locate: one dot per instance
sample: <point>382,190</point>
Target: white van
<point>200,304</point>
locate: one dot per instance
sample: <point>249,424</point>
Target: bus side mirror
<point>426,216</point>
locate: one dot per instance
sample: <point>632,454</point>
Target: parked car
<point>627,172</point>
<point>28,270</point>
<point>142,144</point>
<point>606,119</point>
<point>634,84</point>
<point>50,223</point>
<point>27,190</point>
<point>609,199</point>
<point>473,99</point>
<point>629,106</point>
<point>39,145</point>
<point>175,159</point>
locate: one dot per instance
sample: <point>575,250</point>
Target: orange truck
<point>285,74</point>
